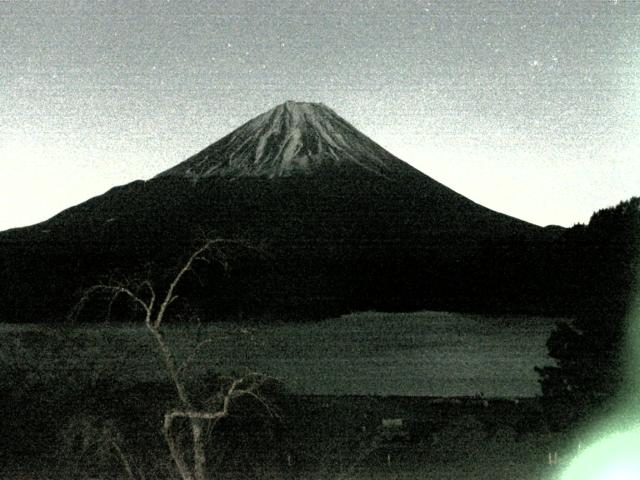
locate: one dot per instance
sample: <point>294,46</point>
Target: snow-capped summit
<point>292,138</point>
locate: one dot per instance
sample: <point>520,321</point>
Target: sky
<point>531,108</point>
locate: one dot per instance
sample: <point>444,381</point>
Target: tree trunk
<point>176,453</point>
<point>199,455</point>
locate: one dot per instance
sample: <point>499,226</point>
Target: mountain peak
<point>293,104</point>
<point>291,138</point>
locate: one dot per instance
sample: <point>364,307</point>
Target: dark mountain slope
<point>344,223</point>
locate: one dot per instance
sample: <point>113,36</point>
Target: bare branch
<point>197,255</point>
<point>169,297</point>
<point>202,415</point>
<point>124,461</point>
<point>174,449</point>
<point>173,299</point>
<point>110,307</point>
<point>169,362</point>
<point>185,364</point>
<point>259,381</point>
<point>266,406</point>
<point>115,290</point>
<point>191,465</point>
<point>152,293</point>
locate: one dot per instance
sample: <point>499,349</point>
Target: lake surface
<point>425,353</point>
<point>430,353</point>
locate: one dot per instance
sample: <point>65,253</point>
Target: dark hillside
<point>358,229</point>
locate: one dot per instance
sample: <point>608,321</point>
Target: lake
<point>369,353</point>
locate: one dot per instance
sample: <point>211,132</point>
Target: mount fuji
<point>344,224</point>
<point>289,139</point>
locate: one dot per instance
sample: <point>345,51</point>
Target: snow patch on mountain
<point>292,138</point>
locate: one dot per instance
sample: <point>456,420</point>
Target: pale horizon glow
<point>530,109</point>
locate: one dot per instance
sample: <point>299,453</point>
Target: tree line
<point>594,350</point>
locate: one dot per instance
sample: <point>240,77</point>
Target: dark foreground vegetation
<point>88,432</point>
<point>79,425</point>
<point>76,400</point>
<point>596,353</point>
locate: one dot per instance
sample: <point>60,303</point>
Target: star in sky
<point>539,100</point>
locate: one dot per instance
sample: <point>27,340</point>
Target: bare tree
<point>95,440</point>
<point>190,460</point>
